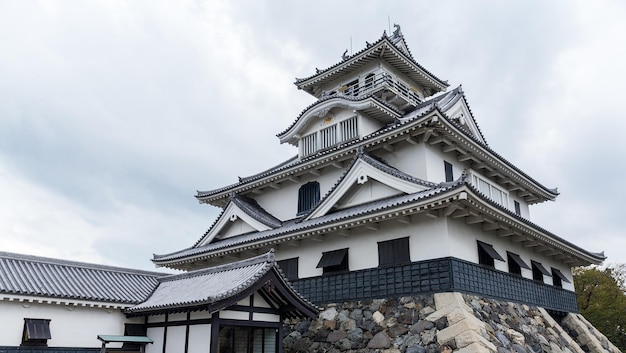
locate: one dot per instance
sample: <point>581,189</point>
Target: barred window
<point>308,196</point>
<point>328,136</point>
<point>309,144</point>
<point>349,129</point>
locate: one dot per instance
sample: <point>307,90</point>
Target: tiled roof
<point>422,110</point>
<point>212,285</point>
<point>46,277</point>
<point>374,99</point>
<point>387,40</point>
<point>252,208</point>
<point>294,225</point>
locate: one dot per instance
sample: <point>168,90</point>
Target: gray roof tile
<point>46,277</point>
<point>214,284</point>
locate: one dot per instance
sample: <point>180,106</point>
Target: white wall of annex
<point>175,339</point>
<point>70,326</point>
<point>157,335</point>
<point>406,157</point>
<point>199,338</point>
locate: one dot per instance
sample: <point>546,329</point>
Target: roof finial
<point>345,56</point>
<point>397,32</point>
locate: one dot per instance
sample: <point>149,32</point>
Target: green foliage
<point>602,301</point>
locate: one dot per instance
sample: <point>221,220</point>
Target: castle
<point>394,193</point>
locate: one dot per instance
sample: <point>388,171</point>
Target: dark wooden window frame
<point>308,196</point>
<point>448,171</point>
<point>36,332</point>
<point>487,254</point>
<point>289,267</point>
<point>394,252</point>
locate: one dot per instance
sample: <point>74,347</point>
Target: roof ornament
<point>317,71</point>
<point>397,32</point>
<point>345,55</point>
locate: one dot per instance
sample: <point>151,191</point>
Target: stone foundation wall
<point>444,322</point>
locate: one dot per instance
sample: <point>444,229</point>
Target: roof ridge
<point>78,264</point>
<point>268,258</point>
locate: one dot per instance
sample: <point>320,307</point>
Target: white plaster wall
<point>234,315</point>
<point>199,338</point>
<point>235,228</point>
<point>156,318</point>
<point>70,326</point>
<point>370,191</point>
<point>282,203</point>
<point>408,158</point>
<point>195,315</point>
<point>156,334</point>
<point>259,302</point>
<point>427,238</point>
<point>175,339</point>
<point>265,317</point>
<point>463,245</point>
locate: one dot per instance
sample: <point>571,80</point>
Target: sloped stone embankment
<point>442,322</point>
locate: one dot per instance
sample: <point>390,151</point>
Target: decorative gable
<point>242,215</point>
<point>460,114</point>
<point>367,180</point>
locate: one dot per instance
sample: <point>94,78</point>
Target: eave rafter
<point>453,141</point>
<point>491,220</point>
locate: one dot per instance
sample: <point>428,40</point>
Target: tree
<point>602,301</point>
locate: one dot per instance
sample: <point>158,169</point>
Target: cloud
<point>112,113</point>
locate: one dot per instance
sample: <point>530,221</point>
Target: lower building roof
<point>26,275</point>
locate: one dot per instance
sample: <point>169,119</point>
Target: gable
<point>371,190</point>
<point>363,183</point>
<point>459,113</point>
<point>233,221</point>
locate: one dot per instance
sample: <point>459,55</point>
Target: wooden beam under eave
<point>461,213</point>
<point>450,209</point>
<point>552,252</point>
<point>518,238</point>
<point>466,157</point>
<point>410,140</point>
<point>294,179</point>
<point>428,134</point>
<point>449,148</point>
<point>432,214</point>
<point>294,243</point>
<point>531,244</point>
<point>490,226</point>
<point>372,226</point>
<point>388,147</point>
<point>275,186</point>
<point>257,191</point>
<point>404,219</point>
<point>315,172</point>
<point>317,238</point>
<point>344,232</point>
<point>504,232</point>
<point>337,165</point>
<point>474,219</point>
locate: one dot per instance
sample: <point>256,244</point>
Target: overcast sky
<point>113,113</point>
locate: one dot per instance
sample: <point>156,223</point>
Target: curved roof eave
<point>384,41</point>
<point>322,106</point>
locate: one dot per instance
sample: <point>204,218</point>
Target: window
<point>348,129</point>
<point>539,271</point>
<point>394,252</point>
<point>133,330</point>
<point>36,332</point>
<point>328,136</point>
<point>353,88</point>
<point>490,190</point>
<point>516,264</point>
<point>309,144</point>
<point>369,81</point>
<point>334,261</point>
<point>558,278</point>
<point>448,170</point>
<point>308,196</point>
<point>487,254</point>
<point>237,339</point>
<point>518,210</point>
<point>289,268</point>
